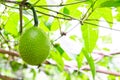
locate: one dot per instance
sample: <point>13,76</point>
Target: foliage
<point>74,28</point>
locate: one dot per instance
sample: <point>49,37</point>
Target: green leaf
<point>118,14</point>
<point>40,2</point>
<point>106,49</point>
<point>48,24</point>
<point>68,76</point>
<point>106,39</point>
<point>73,37</point>
<point>66,56</point>
<point>104,62</point>
<point>15,65</point>
<point>90,61</point>
<point>42,23</point>
<point>118,17</point>
<point>111,77</point>
<point>66,11</point>
<point>90,32</point>
<point>108,17</point>
<point>79,59</point>
<point>90,36</point>
<point>99,2</point>
<point>55,55</point>
<point>34,74</point>
<point>111,3</point>
<point>12,24</point>
<point>100,12</point>
<point>72,10</point>
<point>58,47</point>
<point>27,22</point>
<point>55,25</point>
<point>61,51</point>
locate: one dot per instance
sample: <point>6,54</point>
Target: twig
<point>73,27</point>
<point>61,33</point>
<point>88,14</point>
<point>24,1</point>
<point>14,2</point>
<point>67,32</point>
<point>58,37</point>
<point>9,6</point>
<point>60,13</point>
<point>3,37</point>
<point>53,15</point>
<point>60,4</point>
<point>18,2</point>
<point>99,20</point>
<point>7,41</point>
<point>101,26</point>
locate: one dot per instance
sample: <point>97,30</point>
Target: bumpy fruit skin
<point>34,46</point>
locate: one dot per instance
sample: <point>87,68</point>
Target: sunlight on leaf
<point>90,36</point>
<point>12,24</point>
<point>106,16</point>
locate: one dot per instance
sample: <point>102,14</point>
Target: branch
<point>6,78</point>
<point>102,55</point>
<point>14,53</point>
<point>103,71</point>
<point>106,55</point>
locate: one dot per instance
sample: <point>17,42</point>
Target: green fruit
<point>34,46</point>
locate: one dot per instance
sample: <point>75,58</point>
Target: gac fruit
<point>34,46</point>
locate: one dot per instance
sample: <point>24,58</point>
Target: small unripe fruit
<point>34,46</point>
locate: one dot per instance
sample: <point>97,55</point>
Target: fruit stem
<point>34,14</point>
<point>35,17</point>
